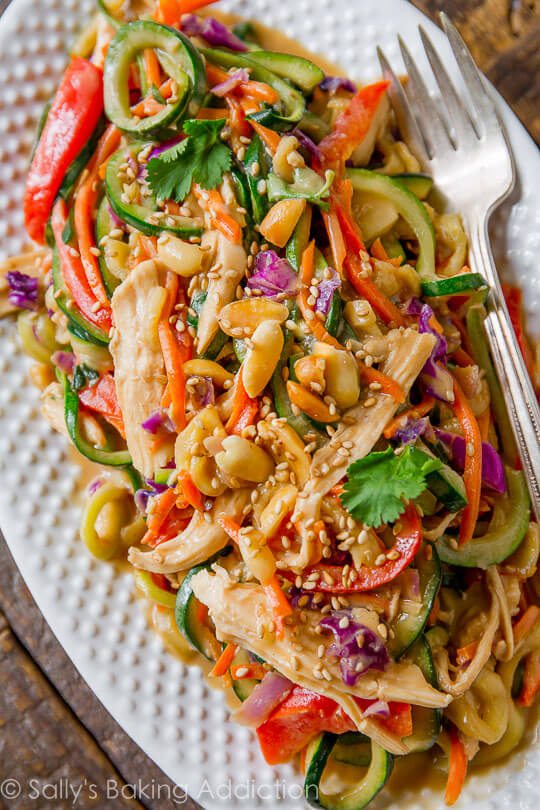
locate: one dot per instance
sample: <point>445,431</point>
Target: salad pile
<point>243,303</point>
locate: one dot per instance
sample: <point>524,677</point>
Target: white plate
<point>166,707</point>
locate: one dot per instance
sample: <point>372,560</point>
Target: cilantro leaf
<point>83,376</point>
<point>379,484</point>
<point>201,158</point>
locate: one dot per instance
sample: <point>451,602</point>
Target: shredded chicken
<point>408,352</point>
<point>139,376</point>
<point>242,615</point>
<point>505,651</point>
<point>199,541</point>
<point>229,263</point>
<point>468,676</point>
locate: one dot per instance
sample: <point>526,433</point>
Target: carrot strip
<point>416,412</point>
<point>215,74</point>
<point>222,221</point>
<point>462,359</point>
<point>279,602</point>
<point>335,237</point>
<point>212,113</point>
<point>526,623</point>
<point>146,107</point>
<point>241,671</point>
<point>484,421</point>
<point>466,653</point>
<point>151,68</point>
<point>472,474</point>
<point>190,493</point>
<point>270,138</point>
<point>378,252</point>
<point>388,385</point>
<point>367,289</point>
<point>244,409</point>
<point>259,91</point>
<point>83,215</point>
<point>531,679</point>
<point>238,121</point>
<point>224,661</point>
<point>457,768</point>
<point>306,274</point>
<point>173,357</point>
<point>162,506</point>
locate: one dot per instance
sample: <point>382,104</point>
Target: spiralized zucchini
<point>104,539</point>
<point>37,335</point>
<point>482,713</point>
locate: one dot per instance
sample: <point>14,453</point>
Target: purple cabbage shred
<point>331,84</point>
<point>273,277</point>
<point>213,31</point>
<point>357,646</point>
<point>23,290</point>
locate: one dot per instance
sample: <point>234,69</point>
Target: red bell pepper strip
<point>304,714</point>
<point>514,301</point>
<point>101,397</point>
<point>353,124</point>
<point>74,113</point>
<point>408,541</point>
<point>73,273</point>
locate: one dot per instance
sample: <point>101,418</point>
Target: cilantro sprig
<point>379,484</point>
<point>200,158</point>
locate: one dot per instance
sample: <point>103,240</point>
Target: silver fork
<point>464,147</point>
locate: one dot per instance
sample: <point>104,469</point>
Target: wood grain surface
<point>52,727</point>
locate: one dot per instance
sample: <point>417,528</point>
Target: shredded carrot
<point>270,138</point>
<point>151,67</point>
<point>335,238</point>
<point>366,288</point>
<point>336,490</point>
<point>457,768</point>
<point>378,252</point>
<point>388,385</point>
<point>526,623</point>
<point>212,113</point>
<point>244,409</point>
<point>239,125</point>
<point>416,412</point>
<point>466,653</point>
<point>484,421</point>
<point>212,201</point>
<point>279,602</point>
<point>259,91</point>
<point>148,247</point>
<point>306,274</point>
<point>241,671</point>
<point>221,667</point>
<point>161,507</point>
<point>462,359</point>
<point>189,491</point>
<point>472,474</point>
<point>531,679</point>
<point>146,107</point>
<point>83,215</point>
<point>216,75</point>
<point>173,357</point>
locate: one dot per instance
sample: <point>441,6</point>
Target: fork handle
<point>519,395</point>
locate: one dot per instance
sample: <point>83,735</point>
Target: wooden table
<point>51,724</point>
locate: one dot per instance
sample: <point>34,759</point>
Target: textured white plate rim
<point>98,580</point>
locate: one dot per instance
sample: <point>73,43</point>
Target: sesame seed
<point>382,630</point>
<point>241,672</point>
<point>320,651</point>
<point>380,560</point>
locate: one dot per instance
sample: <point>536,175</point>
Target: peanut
<point>262,357</point>
<point>310,404</point>
<point>341,374</point>
<point>240,318</point>
<point>179,256</point>
<point>310,369</point>
<point>243,459</point>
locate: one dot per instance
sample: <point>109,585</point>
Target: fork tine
<point>405,118</point>
<point>434,132</point>
<point>458,116</point>
<point>483,106</point>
